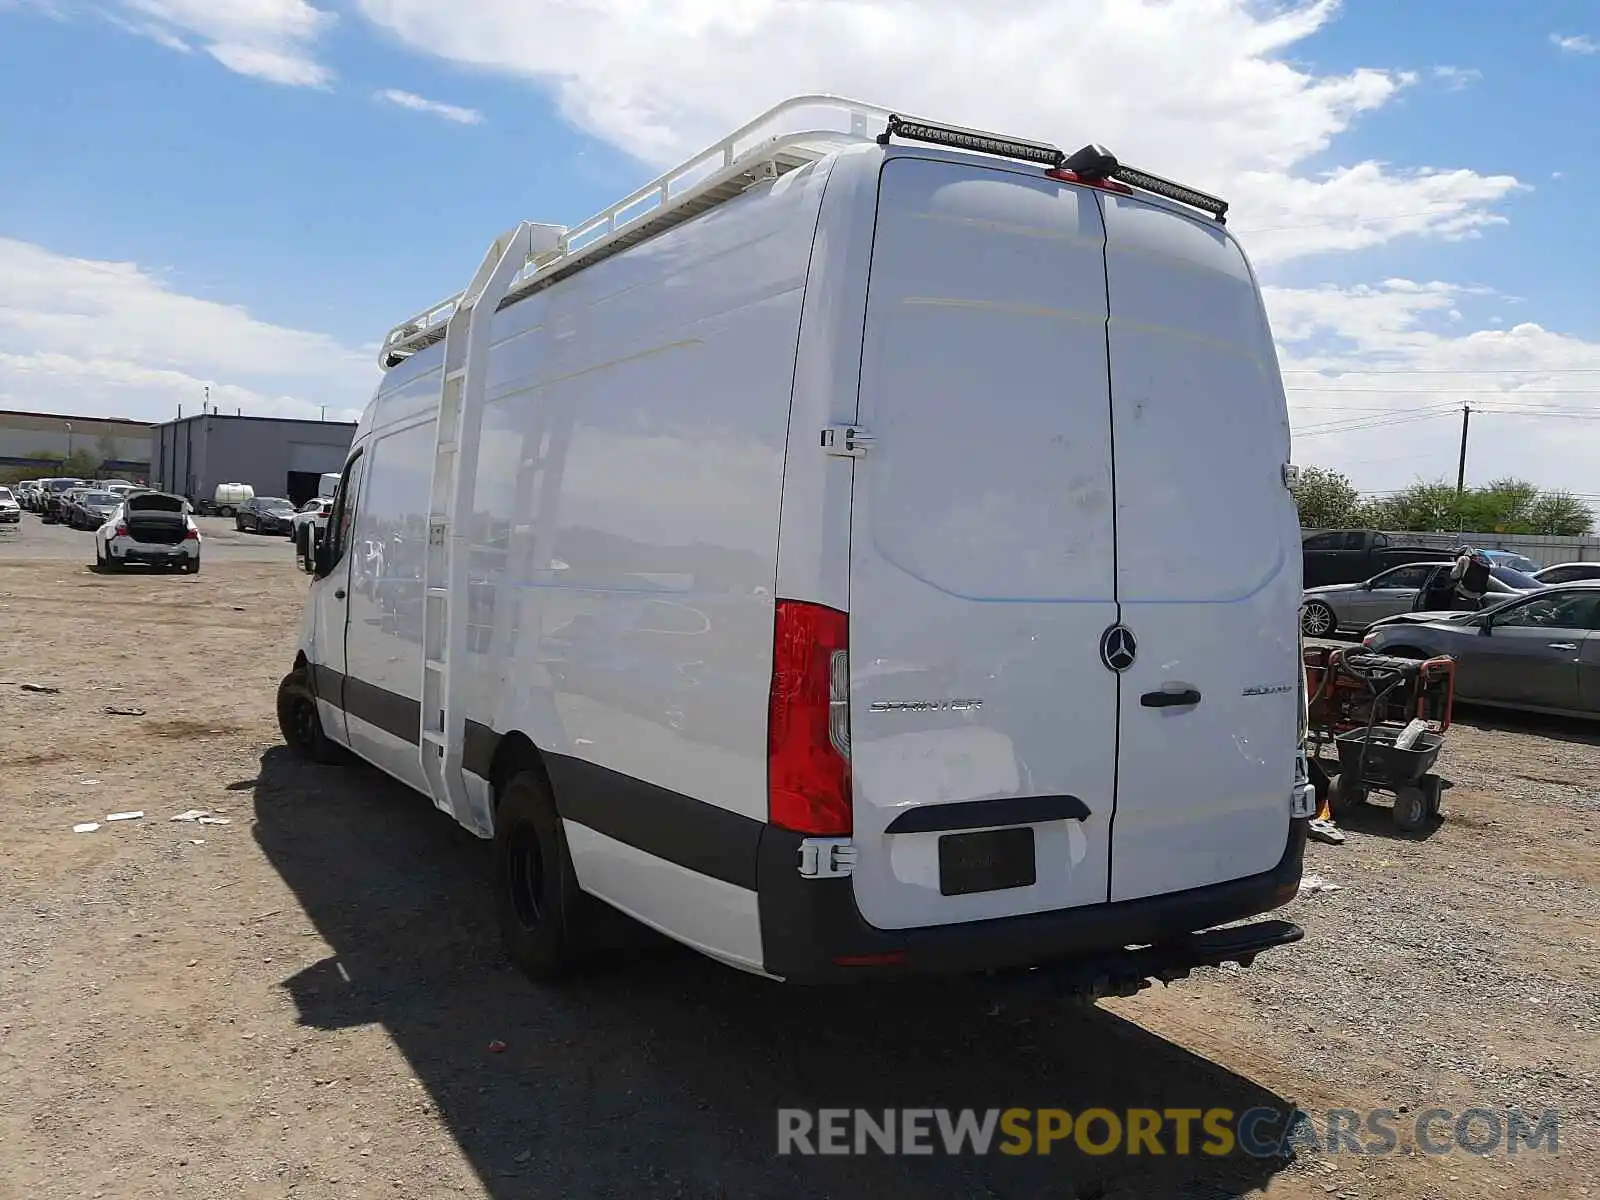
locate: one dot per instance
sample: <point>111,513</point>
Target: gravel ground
<point>302,1002</point>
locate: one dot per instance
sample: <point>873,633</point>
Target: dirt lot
<point>302,1002</point>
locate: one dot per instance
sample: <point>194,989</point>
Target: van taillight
<point>191,534</point>
<point>808,720</point>
<point>122,531</point>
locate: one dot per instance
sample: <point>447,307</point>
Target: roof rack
<point>783,139</point>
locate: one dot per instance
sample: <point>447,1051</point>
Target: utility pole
<point>1461,465</point>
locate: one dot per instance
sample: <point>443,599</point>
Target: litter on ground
<point>126,816</point>
<point>86,827</point>
<point>1312,884</point>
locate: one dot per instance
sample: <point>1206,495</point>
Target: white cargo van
<point>864,551</point>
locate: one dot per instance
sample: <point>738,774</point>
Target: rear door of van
<point>1066,527</point>
<point>982,561</point>
<point>1208,562</point>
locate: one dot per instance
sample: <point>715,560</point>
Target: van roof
<point>782,139</point>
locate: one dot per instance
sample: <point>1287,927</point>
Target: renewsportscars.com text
<point>1214,1132</point>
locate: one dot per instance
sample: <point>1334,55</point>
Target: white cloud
<point>1457,78</point>
<point>273,40</point>
<point>109,338</point>
<point>1580,43</point>
<point>1377,377</point>
<point>158,34</point>
<point>450,112</point>
<point>1200,90</point>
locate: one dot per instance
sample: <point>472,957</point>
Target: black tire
<point>538,905</point>
<point>1410,809</point>
<point>300,722</point>
<point>1317,620</point>
<point>1433,790</point>
<point>192,567</point>
<point>1345,796</point>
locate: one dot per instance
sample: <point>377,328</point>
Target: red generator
<point>1362,703</point>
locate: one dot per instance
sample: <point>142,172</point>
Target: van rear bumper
<point>812,932</point>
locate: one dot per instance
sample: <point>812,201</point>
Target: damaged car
<point>152,529</point>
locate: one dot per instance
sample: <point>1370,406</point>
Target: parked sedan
<point>1510,558</point>
<point>265,514</point>
<point>1539,652</point>
<point>1572,572</point>
<point>1326,610</point>
<point>53,497</point>
<point>10,510</point>
<point>311,520</point>
<point>92,509</point>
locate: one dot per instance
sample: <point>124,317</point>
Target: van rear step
<point>1128,972</point>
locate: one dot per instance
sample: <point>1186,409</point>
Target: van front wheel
<point>537,902</point>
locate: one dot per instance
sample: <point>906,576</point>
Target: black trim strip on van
<point>691,833</point>
<point>986,814</point>
<point>701,837</point>
<point>398,716</point>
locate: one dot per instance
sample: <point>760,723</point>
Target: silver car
<point>1324,611</point>
<point>1539,652</point>
<point>1568,572</point>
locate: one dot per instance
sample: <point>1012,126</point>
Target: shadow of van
<point>660,1072</point>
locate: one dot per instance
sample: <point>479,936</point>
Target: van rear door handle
<point>1183,699</point>
<point>338,594</point>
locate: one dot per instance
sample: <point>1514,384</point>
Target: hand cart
<point>1361,703</point>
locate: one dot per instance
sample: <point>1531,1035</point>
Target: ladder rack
<point>447,556</point>
<point>724,170</point>
<point>715,175</point>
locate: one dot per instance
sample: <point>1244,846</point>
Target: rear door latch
<point>846,441</point>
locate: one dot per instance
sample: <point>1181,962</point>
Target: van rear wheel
<point>538,905</point>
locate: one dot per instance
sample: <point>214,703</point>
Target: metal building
<point>37,441</point>
<point>277,456</point>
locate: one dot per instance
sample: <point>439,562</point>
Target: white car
<point>152,529</point>
<point>10,510</point>
<point>313,515</point>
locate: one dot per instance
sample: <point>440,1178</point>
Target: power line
<point>1324,431</point>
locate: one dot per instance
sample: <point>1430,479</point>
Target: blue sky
<point>227,192</point>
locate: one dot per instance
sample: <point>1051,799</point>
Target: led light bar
<point>958,138</point>
<point>1173,191</point>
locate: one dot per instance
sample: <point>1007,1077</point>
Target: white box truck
<point>865,551</point>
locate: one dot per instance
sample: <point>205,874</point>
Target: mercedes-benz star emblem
<point>1118,648</point>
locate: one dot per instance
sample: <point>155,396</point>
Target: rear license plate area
<point>991,860</point>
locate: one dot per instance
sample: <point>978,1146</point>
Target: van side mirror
<point>318,558</point>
